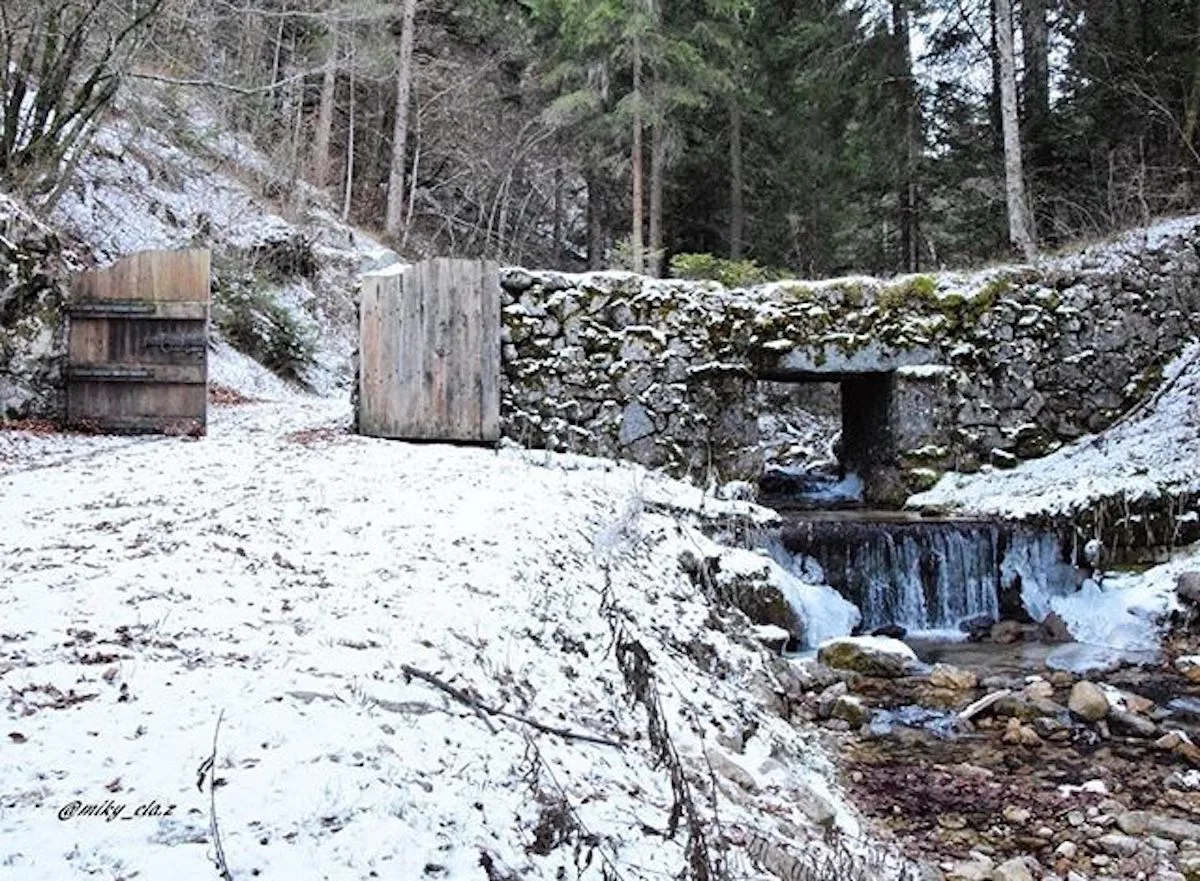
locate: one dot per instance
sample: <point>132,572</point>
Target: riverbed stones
<point>850,709</point>
<point>1054,629</point>
<point>828,698</point>
<point>1162,825</point>
<point>1088,701</point>
<point>1189,666</point>
<point>878,656</point>
<point>953,678</point>
<point>1118,844</point>
<point>1006,632</point>
<point>1067,850</point>
<point>1017,733</point>
<point>977,868</point>
<point>1016,869</point>
<point>1016,814</point>
<point>1126,722</point>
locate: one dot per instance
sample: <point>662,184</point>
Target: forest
<point>736,139</point>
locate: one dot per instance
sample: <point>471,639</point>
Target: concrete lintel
<point>812,362</point>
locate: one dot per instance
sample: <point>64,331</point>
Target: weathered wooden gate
<point>429,352</point>
<point>137,346</point>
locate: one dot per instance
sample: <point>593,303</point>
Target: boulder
<point>979,868</point>
<point>773,638</point>
<point>1162,825</point>
<point>1054,629</point>
<point>1005,632</point>
<point>1016,869</point>
<point>850,709</point>
<point>813,805</point>
<point>869,655</point>
<point>828,698</point>
<point>1088,701</point>
<point>1187,587</point>
<point>731,770</point>
<point>748,581</point>
<point>1038,689</point>
<point>1118,845</point>
<point>954,678</point>
<point>895,631</point>
<point>977,628</point>
<point>1126,722</point>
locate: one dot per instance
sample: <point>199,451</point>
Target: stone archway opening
<point>842,450</point>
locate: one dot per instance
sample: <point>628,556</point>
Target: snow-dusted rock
<point>869,655</point>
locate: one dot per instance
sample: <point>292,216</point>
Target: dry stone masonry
<point>938,372</point>
<point>33,265</point>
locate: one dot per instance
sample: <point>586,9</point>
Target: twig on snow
<point>462,697</point>
<point>209,766</point>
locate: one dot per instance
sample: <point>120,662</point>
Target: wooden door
<point>429,352</point>
<point>137,345</point>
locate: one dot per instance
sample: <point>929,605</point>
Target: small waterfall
<point>927,574</point>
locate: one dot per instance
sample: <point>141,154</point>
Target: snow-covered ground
<point>282,572</point>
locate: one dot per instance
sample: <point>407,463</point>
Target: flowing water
<point>925,574</point>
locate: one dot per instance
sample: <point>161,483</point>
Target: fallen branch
<point>462,697</point>
<point>210,765</point>
<point>540,765</point>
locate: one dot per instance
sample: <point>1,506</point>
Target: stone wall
<point>32,339</point>
<point>992,367</point>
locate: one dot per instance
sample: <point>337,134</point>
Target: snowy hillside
<point>164,172</point>
<point>426,659</point>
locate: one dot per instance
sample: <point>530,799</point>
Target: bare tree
<point>1020,224</point>
<point>60,65</point>
<point>404,76</point>
<point>635,239</point>
<point>324,134</point>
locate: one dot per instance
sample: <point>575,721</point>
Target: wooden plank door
<point>137,345</point>
<point>429,359</point>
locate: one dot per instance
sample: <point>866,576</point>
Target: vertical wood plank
<point>430,352</point>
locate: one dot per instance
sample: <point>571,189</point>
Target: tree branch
<point>464,698</point>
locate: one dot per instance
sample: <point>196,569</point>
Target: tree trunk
<point>557,259</point>
<point>1035,39</point>
<point>395,195</point>
<point>1191,111</point>
<point>595,221</point>
<point>1020,226</point>
<point>275,91</point>
<point>349,150</point>
<point>909,231</point>
<point>635,239</point>
<point>737,210</point>
<point>323,136</point>
<point>658,159</point>
<point>995,115</point>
